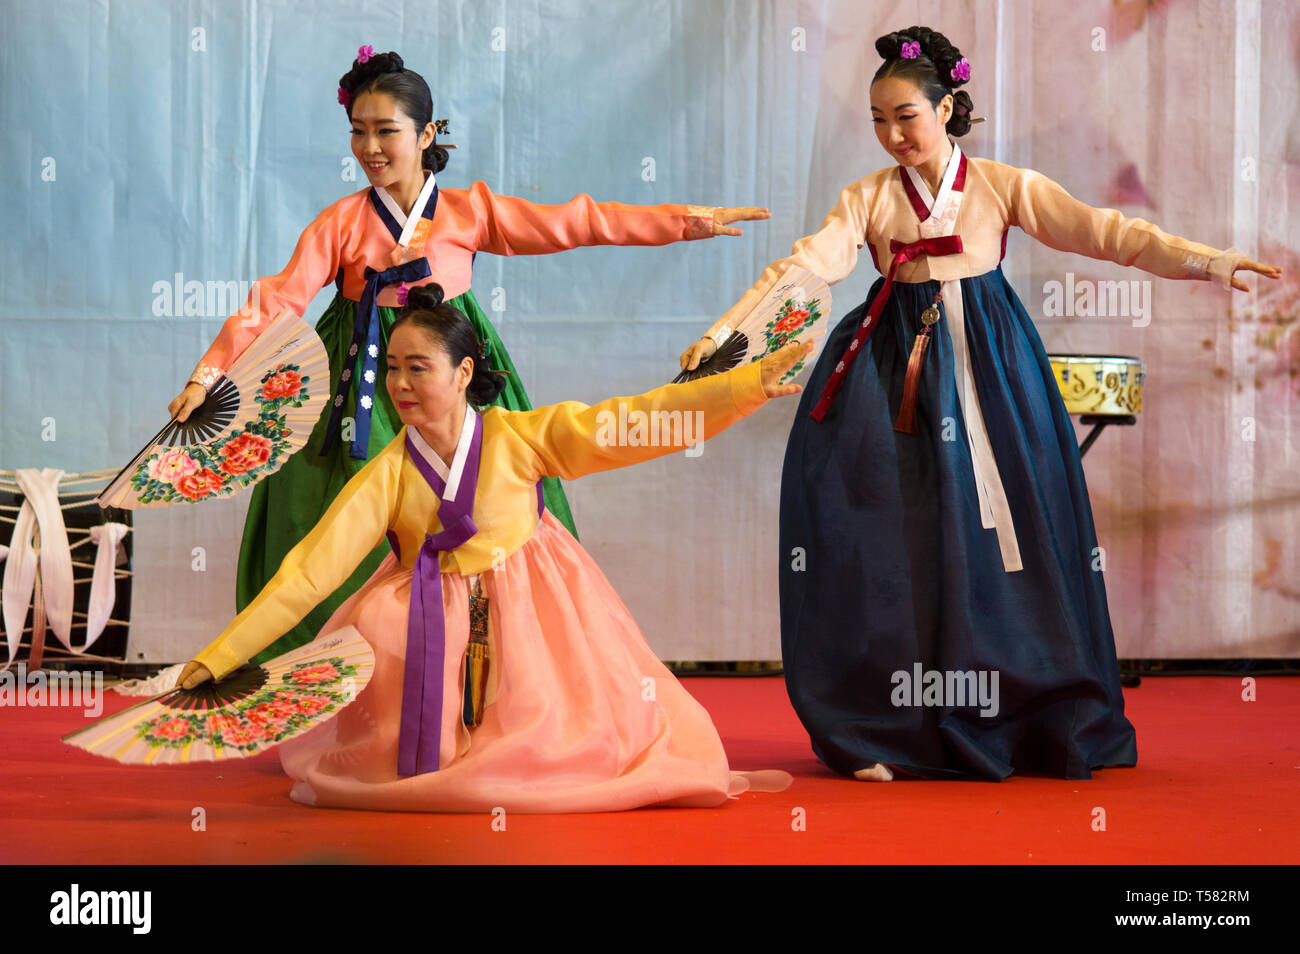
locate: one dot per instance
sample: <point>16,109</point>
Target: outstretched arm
<point>312,266</point>
<point>1050,214</point>
<point>573,439</point>
<point>830,253</point>
<point>354,524</point>
<point>512,226</point>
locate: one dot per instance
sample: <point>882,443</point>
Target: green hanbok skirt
<point>287,505</point>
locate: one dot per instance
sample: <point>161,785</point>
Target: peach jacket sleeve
<point>1023,198</point>
<point>1048,213</point>
<point>512,226</point>
<point>314,264</point>
<point>503,225</point>
<point>831,252</point>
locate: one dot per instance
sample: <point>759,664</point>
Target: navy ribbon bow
<point>365,332</point>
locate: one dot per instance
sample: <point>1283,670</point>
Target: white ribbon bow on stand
<point>40,538</point>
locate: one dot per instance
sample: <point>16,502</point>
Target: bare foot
<point>874,773</point>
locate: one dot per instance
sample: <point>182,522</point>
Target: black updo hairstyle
<point>384,73</point>
<point>452,332</point>
<point>931,72</point>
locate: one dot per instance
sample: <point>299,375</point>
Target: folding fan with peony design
<point>254,418</point>
<point>794,308</point>
<point>251,710</point>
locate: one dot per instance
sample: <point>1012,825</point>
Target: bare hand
<point>194,673</point>
<point>702,350</point>
<point>776,364</point>
<point>185,402</point>
<point>1268,271</point>
<point>722,216</point>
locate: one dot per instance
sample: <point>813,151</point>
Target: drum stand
<point>1099,422</point>
<point>1127,678</point>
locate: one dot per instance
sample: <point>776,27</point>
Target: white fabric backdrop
<point>145,138</point>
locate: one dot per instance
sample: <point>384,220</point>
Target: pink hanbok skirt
<point>580,714</point>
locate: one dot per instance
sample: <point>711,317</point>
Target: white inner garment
<point>995,511</point>
<point>408,225</point>
<point>450,477</point>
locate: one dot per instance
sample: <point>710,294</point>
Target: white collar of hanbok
<point>450,477</point>
<point>945,184</point>
<point>395,210</point>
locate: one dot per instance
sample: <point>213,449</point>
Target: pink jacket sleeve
<point>313,265</point>
<point>511,226</point>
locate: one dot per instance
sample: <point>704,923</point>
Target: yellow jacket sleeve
<point>354,524</point>
<point>572,439</point>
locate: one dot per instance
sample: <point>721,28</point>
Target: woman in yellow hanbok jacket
<point>577,713</point>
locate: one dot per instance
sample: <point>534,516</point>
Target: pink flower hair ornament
<point>365,53</point>
<point>911,50</point>
<point>403,293</point>
<point>960,72</point>
<point>344,96</point>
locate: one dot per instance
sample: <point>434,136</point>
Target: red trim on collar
<point>914,197</point>
<point>959,180</point>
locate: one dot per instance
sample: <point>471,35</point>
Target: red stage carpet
<point>1216,783</point>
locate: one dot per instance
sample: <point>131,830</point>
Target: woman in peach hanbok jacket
<point>942,607</point>
<point>402,231</point>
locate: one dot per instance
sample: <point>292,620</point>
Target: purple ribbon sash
<point>420,735</point>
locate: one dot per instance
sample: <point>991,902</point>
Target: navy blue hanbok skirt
<point>887,573</point>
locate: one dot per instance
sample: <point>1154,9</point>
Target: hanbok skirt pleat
<point>580,714</point>
<point>285,506</point>
<point>887,571</point>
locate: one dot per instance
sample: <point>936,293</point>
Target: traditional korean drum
<point>1099,384</point>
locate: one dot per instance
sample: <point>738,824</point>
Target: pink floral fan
<point>251,710</point>
<point>254,418</point>
<point>795,308</point>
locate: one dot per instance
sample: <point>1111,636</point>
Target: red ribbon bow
<point>903,252</point>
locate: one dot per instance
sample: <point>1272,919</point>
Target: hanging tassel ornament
<point>476,656</point>
<point>906,421</point>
